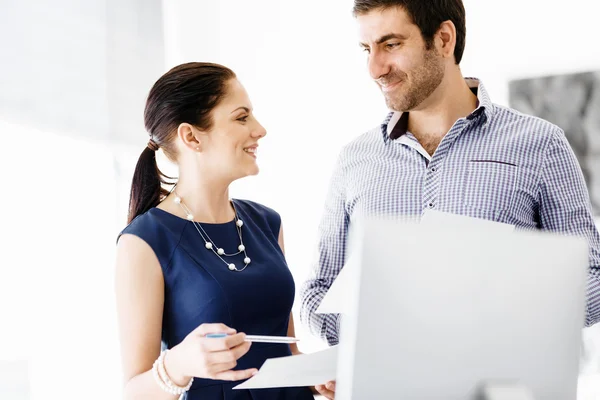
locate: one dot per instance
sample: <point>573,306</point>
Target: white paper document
<point>293,371</point>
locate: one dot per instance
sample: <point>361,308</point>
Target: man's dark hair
<point>428,15</point>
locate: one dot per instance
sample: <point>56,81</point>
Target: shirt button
<point>430,205</point>
<point>433,169</point>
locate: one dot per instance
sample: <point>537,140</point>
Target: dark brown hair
<point>186,94</point>
<point>428,15</point>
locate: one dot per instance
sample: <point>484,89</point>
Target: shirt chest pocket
<point>489,186</point>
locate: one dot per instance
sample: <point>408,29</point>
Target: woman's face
<point>229,148</point>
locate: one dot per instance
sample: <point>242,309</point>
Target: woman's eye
<point>243,119</point>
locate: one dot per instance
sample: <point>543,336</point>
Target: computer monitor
<point>440,311</point>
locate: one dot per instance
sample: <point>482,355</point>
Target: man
<point>445,146</point>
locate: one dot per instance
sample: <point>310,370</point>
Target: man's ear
<point>445,39</point>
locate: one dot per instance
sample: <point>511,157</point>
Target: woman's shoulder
<point>260,213</point>
<point>158,228</point>
<point>253,206</point>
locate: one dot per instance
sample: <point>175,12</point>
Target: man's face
<point>399,61</point>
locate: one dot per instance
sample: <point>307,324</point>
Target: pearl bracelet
<point>162,378</point>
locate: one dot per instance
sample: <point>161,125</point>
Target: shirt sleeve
<point>565,207</point>
<point>331,252</point>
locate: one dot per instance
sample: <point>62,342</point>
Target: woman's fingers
<point>236,375</point>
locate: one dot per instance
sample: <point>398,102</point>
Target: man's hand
<point>327,390</point>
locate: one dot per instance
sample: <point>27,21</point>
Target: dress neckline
<point>161,211</point>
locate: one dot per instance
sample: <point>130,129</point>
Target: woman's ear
<point>190,136</point>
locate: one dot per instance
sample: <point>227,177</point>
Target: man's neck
<point>452,100</point>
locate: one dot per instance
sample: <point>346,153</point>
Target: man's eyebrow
<point>385,38</point>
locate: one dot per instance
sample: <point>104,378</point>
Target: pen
<point>258,338</point>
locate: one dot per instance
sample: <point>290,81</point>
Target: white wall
<point>79,68</point>
<point>73,76</point>
<point>57,302</point>
<point>525,38</point>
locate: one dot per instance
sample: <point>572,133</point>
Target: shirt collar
<point>396,122</point>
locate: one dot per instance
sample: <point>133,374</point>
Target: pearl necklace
<point>209,244</point>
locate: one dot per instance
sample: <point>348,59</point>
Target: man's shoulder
<point>520,121</point>
<point>370,139</point>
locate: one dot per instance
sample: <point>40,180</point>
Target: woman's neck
<point>208,201</point>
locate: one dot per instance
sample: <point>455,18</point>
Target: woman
<point>193,262</point>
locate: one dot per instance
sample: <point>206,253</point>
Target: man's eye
<point>392,45</point>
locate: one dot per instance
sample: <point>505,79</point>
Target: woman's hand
<point>327,390</point>
<point>209,358</point>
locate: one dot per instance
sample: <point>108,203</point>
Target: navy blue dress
<point>199,288</point>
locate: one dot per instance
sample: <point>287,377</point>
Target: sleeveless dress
<point>199,288</point>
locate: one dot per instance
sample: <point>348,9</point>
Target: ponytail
<point>146,186</point>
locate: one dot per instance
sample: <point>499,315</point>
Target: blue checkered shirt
<point>496,164</point>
